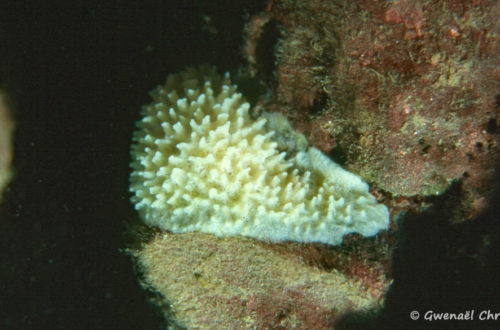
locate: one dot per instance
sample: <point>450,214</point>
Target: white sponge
<point>201,163</point>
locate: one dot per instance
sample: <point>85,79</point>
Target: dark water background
<point>78,72</point>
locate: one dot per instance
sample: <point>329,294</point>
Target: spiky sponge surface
<point>201,163</point>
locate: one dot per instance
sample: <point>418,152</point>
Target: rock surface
<point>241,283</point>
<point>405,93</point>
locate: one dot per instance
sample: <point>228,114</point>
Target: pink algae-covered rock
<point>406,92</point>
<point>242,283</point>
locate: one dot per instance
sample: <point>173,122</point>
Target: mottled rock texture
<point>240,283</point>
<point>405,92</point>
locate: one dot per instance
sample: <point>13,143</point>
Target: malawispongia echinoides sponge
<point>201,163</point>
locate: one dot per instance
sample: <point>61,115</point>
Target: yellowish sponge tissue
<point>201,163</point>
